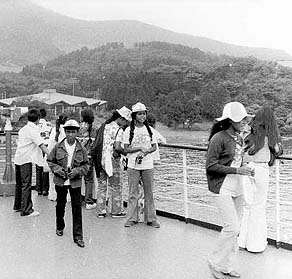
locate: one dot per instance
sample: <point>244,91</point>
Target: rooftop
<point>31,249</point>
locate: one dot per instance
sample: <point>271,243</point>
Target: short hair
<point>33,115</point>
<point>43,113</point>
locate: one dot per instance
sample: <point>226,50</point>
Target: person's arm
<point>128,149</point>
<point>215,149</point>
<point>44,149</point>
<point>55,168</point>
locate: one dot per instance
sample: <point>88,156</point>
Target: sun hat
<point>234,111</point>
<point>125,113</point>
<point>138,107</point>
<point>71,124</point>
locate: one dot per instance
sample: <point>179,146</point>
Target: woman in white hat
<point>106,159</point>
<point>224,167</point>
<point>139,145</point>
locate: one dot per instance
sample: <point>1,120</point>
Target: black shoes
<point>45,193</point>
<point>59,232</point>
<point>79,243</point>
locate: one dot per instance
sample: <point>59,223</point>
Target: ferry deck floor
<point>30,249</point>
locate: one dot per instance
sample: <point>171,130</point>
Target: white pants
<point>253,231</point>
<point>224,256</point>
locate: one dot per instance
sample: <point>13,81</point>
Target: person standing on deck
<point>29,151</point>
<point>87,116</point>
<point>223,169</point>
<point>68,161</point>
<point>139,145</point>
<point>107,162</point>
<point>42,176</point>
<point>263,144</point>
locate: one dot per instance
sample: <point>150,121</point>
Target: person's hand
<point>144,150</point>
<point>74,172</point>
<point>245,170</point>
<point>61,173</point>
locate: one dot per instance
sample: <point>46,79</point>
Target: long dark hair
<point>219,126</point>
<point>263,125</point>
<point>60,121</point>
<point>88,117</point>
<point>132,127</point>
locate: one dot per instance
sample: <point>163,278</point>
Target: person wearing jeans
<point>224,168</point>
<point>139,145</point>
<point>106,156</point>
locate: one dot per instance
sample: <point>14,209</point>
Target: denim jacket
<point>58,158</point>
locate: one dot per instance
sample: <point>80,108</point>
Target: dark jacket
<point>220,154</point>
<point>58,158</point>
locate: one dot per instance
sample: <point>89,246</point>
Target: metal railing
<point>281,227</point>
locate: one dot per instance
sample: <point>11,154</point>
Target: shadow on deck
<point>30,249</point>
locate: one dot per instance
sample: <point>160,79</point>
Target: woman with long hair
<point>223,167</point>
<point>263,144</point>
<point>139,145</point>
<point>87,118</point>
<point>106,159</point>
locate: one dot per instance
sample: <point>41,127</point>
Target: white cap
<point>234,111</point>
<point>71,123</point>
<point>138,107</point>
<point>125,113</point>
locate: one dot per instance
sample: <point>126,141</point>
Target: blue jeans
<point>133,180</point>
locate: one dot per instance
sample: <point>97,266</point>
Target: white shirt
<point>70,150</point>
<point>52,142</point>
<point>28,150</point>
<point>141,139</point>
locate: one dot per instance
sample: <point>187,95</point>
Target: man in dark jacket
<point>69,162</point>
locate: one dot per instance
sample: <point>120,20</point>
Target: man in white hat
<point>69,162</point>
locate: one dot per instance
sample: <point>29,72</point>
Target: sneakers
<point>216,273</point>
<point>59,232</point>
<point>119,215</point>
<point>102,214</point>
<point>154,224</point>
<point>130,224</point>
<point>79,243</point>
<point>45,193</point>
<point>232,273</point>
<point>33,214</point>
<point>90,206</point>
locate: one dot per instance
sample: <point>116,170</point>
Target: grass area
<point>198,135</point>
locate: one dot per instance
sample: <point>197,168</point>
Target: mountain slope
<point>31,34</point>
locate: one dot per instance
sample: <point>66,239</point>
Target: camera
<point>139,160</point>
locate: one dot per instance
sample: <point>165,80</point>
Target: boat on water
<point>30,248</point>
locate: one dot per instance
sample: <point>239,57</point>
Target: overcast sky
<point>262,23</point>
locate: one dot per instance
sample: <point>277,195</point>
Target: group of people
<point>241,149</point>
<point>125,134</point>
<point>237,167</point>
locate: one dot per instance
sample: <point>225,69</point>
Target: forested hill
<point>178,83</point>
<point>32,34</point>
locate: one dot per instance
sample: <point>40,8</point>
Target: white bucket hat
<point>234,111</point>
<point>125,113</point>
<point>138,107</point>
<point>71,123</point>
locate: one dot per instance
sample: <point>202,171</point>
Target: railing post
<point>278,225</point>
<point>8,183</point>
<point>185,179</point>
